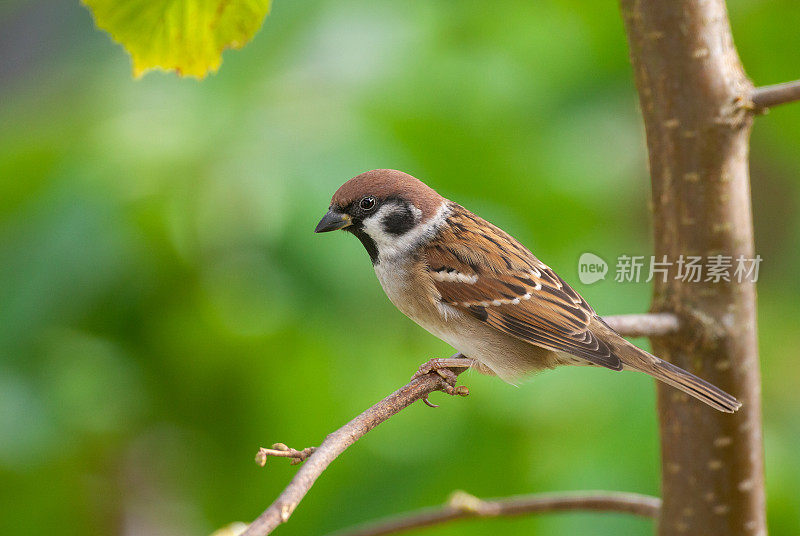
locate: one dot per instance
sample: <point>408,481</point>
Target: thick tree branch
<point>319,458</point>
<point>464,506</point>
<point>694,97</point>
<point>764,98</point>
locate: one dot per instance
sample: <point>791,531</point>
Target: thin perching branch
<point>764,98</point>
<point>318,459</point>
<point>337,442</point>
<point>465,506</point>
<point>279,450</point>
<point>644,325</point>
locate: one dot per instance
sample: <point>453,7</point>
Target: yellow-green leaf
<point>185,36</point>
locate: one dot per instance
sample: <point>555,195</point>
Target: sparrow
<point>477,288</point>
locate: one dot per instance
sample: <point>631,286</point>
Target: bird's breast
<point>410,288</point>
<point>406,285</point>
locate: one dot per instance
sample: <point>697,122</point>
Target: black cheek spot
<point>399,222</point>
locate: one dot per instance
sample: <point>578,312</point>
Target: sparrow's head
<point>391,212</point>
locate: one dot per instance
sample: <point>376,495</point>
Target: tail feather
<point>637,359</point>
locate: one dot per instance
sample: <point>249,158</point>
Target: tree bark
<point>694,94</point>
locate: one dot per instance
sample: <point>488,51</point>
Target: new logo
<point>591,268</point>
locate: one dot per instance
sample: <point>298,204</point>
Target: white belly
<point>504,355</point>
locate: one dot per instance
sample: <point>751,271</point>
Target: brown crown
<point>383,183</point>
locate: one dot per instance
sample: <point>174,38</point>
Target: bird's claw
<point>425,368</point>
<point>429,403</point>
<point>441,367</point>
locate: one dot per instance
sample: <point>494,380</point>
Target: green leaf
<point>185,36</point>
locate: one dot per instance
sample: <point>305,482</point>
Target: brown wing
<point>513,291</point>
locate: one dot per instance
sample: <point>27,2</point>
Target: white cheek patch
<point>391,246</point>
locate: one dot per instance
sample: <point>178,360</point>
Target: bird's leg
<point>443,367</point>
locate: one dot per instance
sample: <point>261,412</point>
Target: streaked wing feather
<point>513,292</point>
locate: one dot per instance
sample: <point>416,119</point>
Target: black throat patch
<point>369,243</point>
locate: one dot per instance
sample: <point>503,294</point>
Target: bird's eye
<point>367,203</point>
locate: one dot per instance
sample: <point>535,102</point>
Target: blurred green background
<point>165,308</point>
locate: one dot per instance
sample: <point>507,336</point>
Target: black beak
<point>333,221</point>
